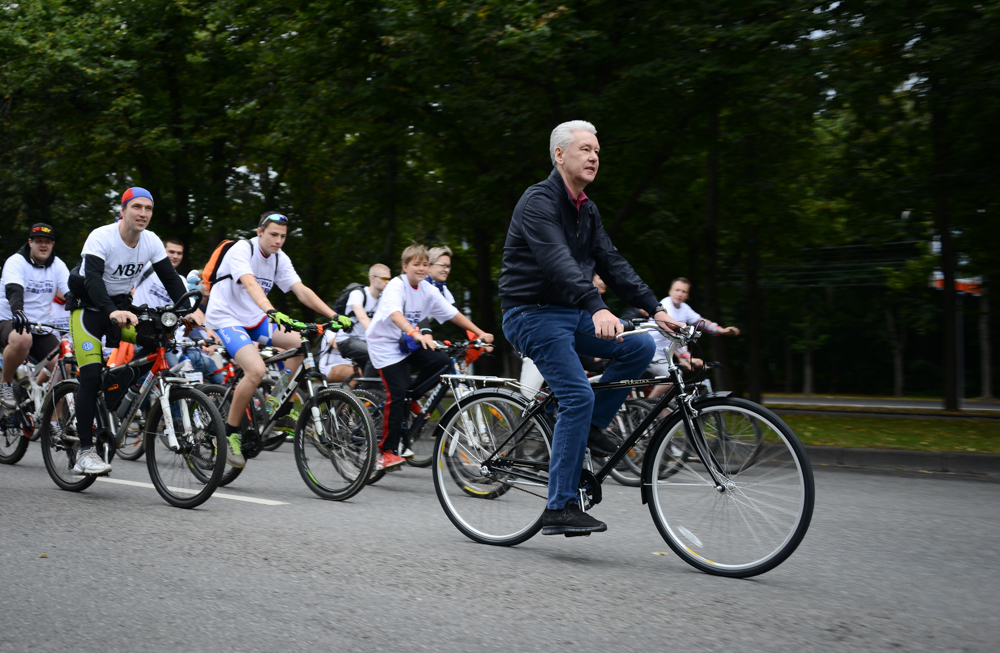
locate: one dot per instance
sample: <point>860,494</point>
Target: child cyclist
<point>242,317</point>
<point>395,344</point>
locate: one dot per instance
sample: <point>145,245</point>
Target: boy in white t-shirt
<point>242,316</point>
<point>407,300</point>
<point>679,311</point>
<point>361,306</point>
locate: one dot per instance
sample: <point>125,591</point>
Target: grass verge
<point>961,436</point>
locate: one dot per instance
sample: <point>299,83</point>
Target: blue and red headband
<point>133,193</point>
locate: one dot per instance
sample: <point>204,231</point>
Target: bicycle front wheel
<point>501,507</point>
<point>759,513</point>
<point>15,434</point>
<point>335,446</point>
<point>186,477</point>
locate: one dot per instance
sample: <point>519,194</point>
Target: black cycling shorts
<point>41,345</point>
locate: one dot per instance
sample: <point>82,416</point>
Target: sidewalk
<point>878,403</point>
<point>966,464</point>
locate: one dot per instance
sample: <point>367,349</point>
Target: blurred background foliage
<point>806,164</point>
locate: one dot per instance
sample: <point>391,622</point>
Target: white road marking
<point>234,497</point>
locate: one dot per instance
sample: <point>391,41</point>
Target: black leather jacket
<point>552,251</point>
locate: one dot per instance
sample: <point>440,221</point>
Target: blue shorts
<point>235,338</point>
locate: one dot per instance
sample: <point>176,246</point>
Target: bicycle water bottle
<point>276,392</point>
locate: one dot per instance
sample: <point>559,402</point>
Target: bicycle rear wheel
<point>179,476</point>
<point>60,451</point>
<point>335,463</point>
<point>495,508</point>
<point>761,512</point>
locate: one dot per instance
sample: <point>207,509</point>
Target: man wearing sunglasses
<point>361,306</point>
<point>242,316</point>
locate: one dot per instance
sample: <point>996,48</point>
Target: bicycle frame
<point>540,406</point>
<point>163,384</point>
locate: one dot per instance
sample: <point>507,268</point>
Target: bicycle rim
<point>763,511</point>
<point>179,476</point>
<point>336,453</point>
<point>60,451</point>
<point>499,509</point>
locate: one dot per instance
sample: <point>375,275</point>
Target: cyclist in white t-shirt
<point>242,317</point>
<point>395,343</point>
<point>113,258</point>
<point>31,280</point>
<point>361,306</point>
<point>679,311</point>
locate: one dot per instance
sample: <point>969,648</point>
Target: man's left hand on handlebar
<point>665,321</point>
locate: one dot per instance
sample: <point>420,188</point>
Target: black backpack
<point>340,306</point>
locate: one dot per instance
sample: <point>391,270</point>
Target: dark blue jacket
<point>552,251</point>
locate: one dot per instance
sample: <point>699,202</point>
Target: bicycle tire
<point>215,392</point>
<point>713,530</point>
<point>501,510</point>
<point>59,453</point>
<point>15,436</point>
<point>133,444</point>
<point>373,401</point>
<point>347,445</point>
<point>172,471</point>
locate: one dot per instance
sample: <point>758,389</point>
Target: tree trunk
<point>897,341</point>
<point>985,354</point>
<point>389,249</point>
<point>485,295</point>
<point>942,222</point>
<point>789,366</point>
<point>753,314</point>
<point>807,372</point>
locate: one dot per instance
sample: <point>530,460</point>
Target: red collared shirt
<point>578,202</point>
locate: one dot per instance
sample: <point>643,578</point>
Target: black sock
<point>231,430</point>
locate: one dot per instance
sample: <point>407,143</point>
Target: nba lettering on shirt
<point>127,271</point>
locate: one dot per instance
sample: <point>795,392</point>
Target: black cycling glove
<point>21,322</point>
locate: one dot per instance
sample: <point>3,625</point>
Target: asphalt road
<point>891,561</point>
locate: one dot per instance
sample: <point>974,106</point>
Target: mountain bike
<point>335,445</point>
<point>18,426</point>
<point>183,433</point>
<point>728,484</point>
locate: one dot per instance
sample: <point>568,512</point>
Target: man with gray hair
<point>553,313</point>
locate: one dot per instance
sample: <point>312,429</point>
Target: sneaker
<point>407,453</point>
<point>570,521</point>
<point>601,442</point>
<point>234,455</point>
<point>286,423</point>
<point>388,460</point>
<point>7,396</point>
<point>89,463</point>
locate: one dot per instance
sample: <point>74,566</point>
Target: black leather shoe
<point>570,521</point>
<point>602,443</point>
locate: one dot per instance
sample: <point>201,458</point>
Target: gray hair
<point>562,135</point>
<point>438,252</point>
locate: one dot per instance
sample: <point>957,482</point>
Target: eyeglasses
<point>386,279</point>
<point>275,217</point>
<point>444,266</point>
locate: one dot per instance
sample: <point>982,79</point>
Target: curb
<point>782,409</point>
<point>973,464</point>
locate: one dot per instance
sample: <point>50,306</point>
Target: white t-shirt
<point>330,357</point>
<point>123,265</point>
<point>362,296</point>
<point>152,292</point>
<point>39,283</point>
<point>230,304</point>
<point>685,315</point>
<point>415,304</point>
<point>59,316</point>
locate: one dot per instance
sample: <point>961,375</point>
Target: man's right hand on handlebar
<point>123,318</point>
<point>282,320</point>
<point>606,325</point>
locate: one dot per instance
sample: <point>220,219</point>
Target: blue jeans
<point>554,337</point>
<point>200,363</point>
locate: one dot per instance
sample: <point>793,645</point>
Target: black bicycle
<point>728,484</point>
<point>335,445</point>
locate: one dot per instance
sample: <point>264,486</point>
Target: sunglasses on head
<point>276,217</point>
